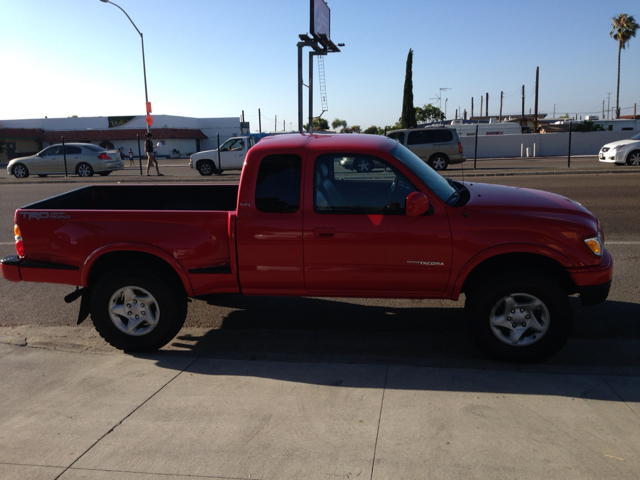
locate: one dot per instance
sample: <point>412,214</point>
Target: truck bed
<point>143,197</point>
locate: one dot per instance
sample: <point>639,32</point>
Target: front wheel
<point>519,318</point>
<point>137,311</point>
<point>634,158</point>
<point>20,171</point>
<point>205,167</point>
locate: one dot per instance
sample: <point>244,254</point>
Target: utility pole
<point>608,104</point>
<point>481,99</point>
<point>501,96</point>
<point>535,114</point>
<point>522,116</point>
<point>603,109</point>
<point>259,121</point>
<point>275,124</point>
<point>471,107</point>
<point>487,105</point>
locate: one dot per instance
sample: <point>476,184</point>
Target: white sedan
<point>622,152</point>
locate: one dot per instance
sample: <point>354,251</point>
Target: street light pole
<point>144,68</point>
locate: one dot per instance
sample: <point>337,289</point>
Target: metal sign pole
<point>64,154</point>
<point>139,153</point>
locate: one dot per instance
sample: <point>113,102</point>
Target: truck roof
<point>325,142</point>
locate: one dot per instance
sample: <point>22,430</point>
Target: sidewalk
<point>170,415</point>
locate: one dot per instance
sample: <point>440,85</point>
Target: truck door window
<point>278,184</point>
<point>359,184</point>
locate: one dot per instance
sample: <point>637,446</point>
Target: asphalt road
<point>371,330</point>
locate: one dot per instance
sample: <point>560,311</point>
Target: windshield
<point>428,175</point>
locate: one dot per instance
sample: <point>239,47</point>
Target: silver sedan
<point>83,159</point>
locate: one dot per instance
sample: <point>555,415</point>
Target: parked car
<point>83,159</point>
<point>360,164</point>
<point>622,152</point>
<point>437,146</point>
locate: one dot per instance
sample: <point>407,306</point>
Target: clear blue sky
<point>216,58</point>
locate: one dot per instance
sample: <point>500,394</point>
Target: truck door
<point>269,227</point>
<point>358,239</point>
<point>232,154</point>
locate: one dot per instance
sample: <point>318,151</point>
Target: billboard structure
<point>319,40</point>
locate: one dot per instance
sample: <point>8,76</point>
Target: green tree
<point>624,29</point>
<point>408,118</point>
<point>338,123</point>
<point>352,129</point>
<point>373,130</point>
<point>319,123</point>
<point>429,113</point>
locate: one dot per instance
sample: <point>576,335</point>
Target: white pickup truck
<point>231,157</point>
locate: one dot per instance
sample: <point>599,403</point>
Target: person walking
<point>131,164</point>
<point>148,149</point>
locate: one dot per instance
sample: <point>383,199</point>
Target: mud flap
<point>85,293</point>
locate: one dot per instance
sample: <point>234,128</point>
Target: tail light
<point>104,156</point>
<point>19,244</point>
<point>460,148</point>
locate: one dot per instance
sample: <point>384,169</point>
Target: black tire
<point>438,161</point>
<point>151,306</point>
<point>104,174</point>
<point>206,167</point>
<point>84,170</point>
<point>20,171</point>
<point>540,311</point>
<point>634,158</point>
<point>362,165</point>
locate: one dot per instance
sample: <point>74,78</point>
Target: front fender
<point>498,250</point>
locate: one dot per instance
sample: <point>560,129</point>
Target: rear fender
<point>135,247</point>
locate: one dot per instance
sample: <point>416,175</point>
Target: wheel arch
<point>143,256</point>
<point>479,269</point>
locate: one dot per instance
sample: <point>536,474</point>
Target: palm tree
<point>624,28</point>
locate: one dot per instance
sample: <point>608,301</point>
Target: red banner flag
<point>148,107</point>
<point>149,120</point>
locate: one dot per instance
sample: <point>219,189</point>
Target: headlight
<point>594,244</point>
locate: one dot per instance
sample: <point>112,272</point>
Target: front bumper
<point>593,283</point>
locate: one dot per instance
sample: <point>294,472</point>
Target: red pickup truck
<point>302,222</point>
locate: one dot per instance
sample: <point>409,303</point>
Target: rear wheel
<point>520,318</point>
<point>84,170</point>
<point>137,310</point>
<point>20,171</point>
<point>362,165</point>
<point>439,161</point>
<point>205,167</point>
<point>634,158</point>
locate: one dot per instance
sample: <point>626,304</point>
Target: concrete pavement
<point>171,415</point>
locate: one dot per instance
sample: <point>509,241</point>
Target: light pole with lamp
<point>144,68</point>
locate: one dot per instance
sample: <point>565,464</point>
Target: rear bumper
<point>10,268</point>
<point>16,269</point>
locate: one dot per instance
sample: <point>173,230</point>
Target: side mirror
<point>417,204</point>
